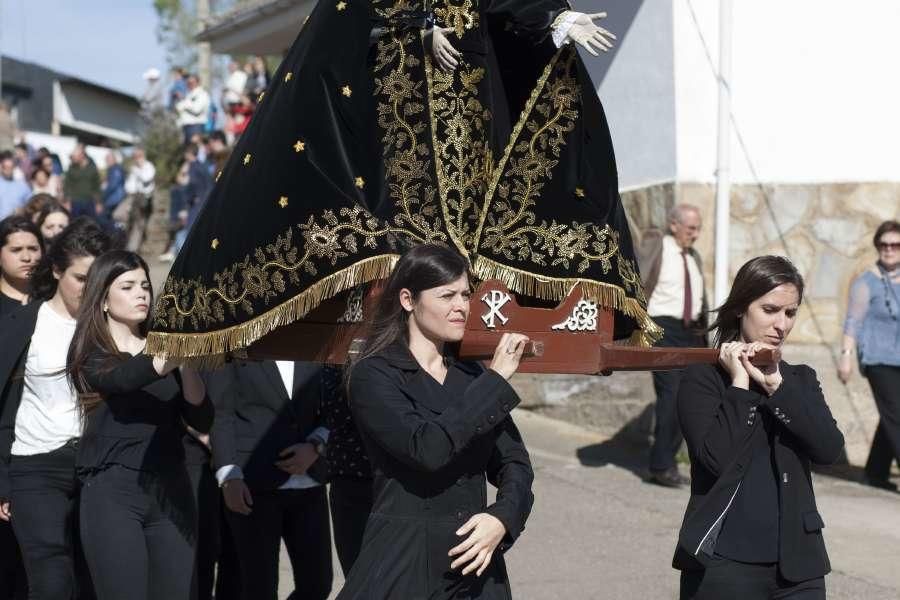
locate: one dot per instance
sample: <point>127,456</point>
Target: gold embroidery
<point>460,127</point>
<point>579,192</point>
<point>511,228</point>
<point>260,97</point>
<point>215,244</point>
<point>300,146</point>
<point>346,91</point>
<point>341,6</point>
<point>401,110</point>
<point>283,202</point>
<point>247,158</point>
<point>263,275</point>
<point>288,76</point>
<point>460,17</point>
<point>360,182</point>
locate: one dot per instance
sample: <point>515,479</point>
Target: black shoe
<point>670,478</point>
<point>881,484</point>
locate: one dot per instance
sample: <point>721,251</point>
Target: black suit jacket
<point>16,329</point>
<point>720,425</point>
<point>256,419</point>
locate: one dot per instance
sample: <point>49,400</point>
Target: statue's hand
<point>589,35</point>
<point>445,55</point>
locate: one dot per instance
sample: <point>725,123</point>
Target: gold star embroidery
<point>247,158</point>
<point>341,5</point>
<point>346,91</point>
<point>300,146</point>
<point>288,76</point>
<point>283,202</point>
<point>215,243</point>
<point>579,192</point>
<point>360,182</point>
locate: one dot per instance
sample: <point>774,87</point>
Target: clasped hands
<point>294,460</point>
<point>735,358</point>
<point>582,31</point>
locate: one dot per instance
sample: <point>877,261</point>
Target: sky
<point>109,42</point>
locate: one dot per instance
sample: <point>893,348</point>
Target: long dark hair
<point>423,267</point>
<point>755,279</point>
<point>92,340</point>
<point>83,237</point>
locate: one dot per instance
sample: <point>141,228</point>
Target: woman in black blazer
<point>436,429</point>
<point>138,515</point>
<point>751,529</point>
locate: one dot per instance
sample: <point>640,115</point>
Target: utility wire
<point>767,200</point>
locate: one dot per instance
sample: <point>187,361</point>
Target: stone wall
<point>826,229</point>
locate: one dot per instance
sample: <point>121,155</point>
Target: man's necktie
<point>688,308</point>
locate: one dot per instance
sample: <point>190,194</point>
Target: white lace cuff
<point>562,25</point>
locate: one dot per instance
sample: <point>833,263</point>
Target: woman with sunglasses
<point>872,333</point>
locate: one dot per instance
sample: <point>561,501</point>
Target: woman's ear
<point>406,300</point>
<point>56,274</point>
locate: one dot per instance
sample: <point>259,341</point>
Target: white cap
<point>152,73</point>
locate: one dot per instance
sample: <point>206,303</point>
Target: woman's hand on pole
<point>768,377</point>
<point>508,354</point>
<point>730,358</point>
<point>485,533</point>
<point>445,55</point>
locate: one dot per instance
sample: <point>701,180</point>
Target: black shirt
<point>139,422</point>
<point>8,305</point>
<point>346,456</point>
<point>750,531</point>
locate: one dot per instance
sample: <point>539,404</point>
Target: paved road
<point>598,532</point>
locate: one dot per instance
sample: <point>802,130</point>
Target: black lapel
<point>16,329</point>
<point>419,385</point>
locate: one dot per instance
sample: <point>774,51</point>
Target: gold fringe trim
<point>552,288</point>
<point>211,348</point>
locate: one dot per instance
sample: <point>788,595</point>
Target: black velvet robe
<point>361,148</point>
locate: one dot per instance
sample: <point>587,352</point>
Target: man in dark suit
<point>676,299</point>
<point>266,441</point>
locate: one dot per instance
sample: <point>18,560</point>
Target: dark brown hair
<point>19,224</point>
<point>92,341</point>
<point>886,227</point>
<point>83,237</point>
<point>422,268</point>
<point>755,279</point>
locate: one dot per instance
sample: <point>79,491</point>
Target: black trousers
<point>300,518</point>
<point>351,503</point>
<point>667,436</point>
<point>13,583</point>
<point>885,383</point>
<point>139,534</point>
<point>732,580</point>
<point>215,547</point>
<point>44,503</point>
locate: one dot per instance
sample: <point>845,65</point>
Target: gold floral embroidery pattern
<point>463,159</point>
<point>402,115</point>
<point>511,228</point>
<point>461,17</point>
<point>262,276</point>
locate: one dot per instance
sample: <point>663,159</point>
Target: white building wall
<point>816,93</point>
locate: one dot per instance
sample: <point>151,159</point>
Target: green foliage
<point>162,143</point>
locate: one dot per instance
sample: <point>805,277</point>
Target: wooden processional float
<point>576,337</point>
